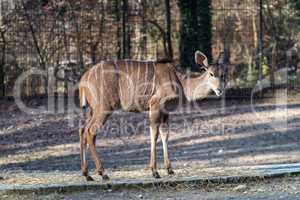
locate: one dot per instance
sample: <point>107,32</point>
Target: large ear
<point>201,59</point>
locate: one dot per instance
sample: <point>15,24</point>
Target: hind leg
<point>97,121</point>
<point>83,146</point>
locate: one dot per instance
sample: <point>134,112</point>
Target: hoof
<point>89,178</point>
<point>155,174</point>
<point>105,177</point>
<point>170,172</point>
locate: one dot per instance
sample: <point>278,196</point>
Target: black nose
<point>219,92</point>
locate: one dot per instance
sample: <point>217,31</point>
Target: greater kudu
<point>139,86</point>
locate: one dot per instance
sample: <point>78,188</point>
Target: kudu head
<point>213,75</point>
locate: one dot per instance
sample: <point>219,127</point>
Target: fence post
<point>261,43</point>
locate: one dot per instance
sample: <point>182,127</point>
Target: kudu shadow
<point>250,140</point>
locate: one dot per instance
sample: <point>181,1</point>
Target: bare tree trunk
<point>118,18</point>
<point>168,30</point>
<point>195,33</point>
<point>101,29</point>
<point>66,45</point>
<point>35,40</point>
<point>255,37</point>
<point>273,66</point>
<point>261,44</point>
<point>78,42</point>
<point>143,42</point>
<point>2,64</point>
<point>125,27</point>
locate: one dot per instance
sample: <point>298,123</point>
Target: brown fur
<point>136,86</point>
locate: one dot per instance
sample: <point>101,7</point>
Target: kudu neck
<point>194,87</point>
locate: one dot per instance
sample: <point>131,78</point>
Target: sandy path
<point>210,136</point>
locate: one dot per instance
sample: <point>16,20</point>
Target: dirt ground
<point>214,134</point>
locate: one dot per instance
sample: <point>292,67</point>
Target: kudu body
<point>138,86</point>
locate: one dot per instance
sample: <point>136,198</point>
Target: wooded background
<point>253,38</point>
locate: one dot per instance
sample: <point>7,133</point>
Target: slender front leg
<point>154,116</point>
<point>154,136</point>
<point>164,133</point>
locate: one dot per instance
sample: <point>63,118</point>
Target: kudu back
<point>138,86</point>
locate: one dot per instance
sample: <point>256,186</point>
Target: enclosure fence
<point>50,36</point>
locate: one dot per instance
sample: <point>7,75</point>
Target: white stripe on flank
<point>139,70</point>
<point>83,103</point>
<point>119,82</point>
<point>153,79</point>
<point>89,77</point>
<point>146,79</point>
<point>96,74</point>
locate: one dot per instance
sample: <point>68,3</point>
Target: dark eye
<point>211,74</point>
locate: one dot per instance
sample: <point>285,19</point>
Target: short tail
<point>82,98</point>
<point>83,108</point>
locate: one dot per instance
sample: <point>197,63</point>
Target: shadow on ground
<point>245,137</point>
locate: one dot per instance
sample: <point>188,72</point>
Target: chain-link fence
<point>45,36</point>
